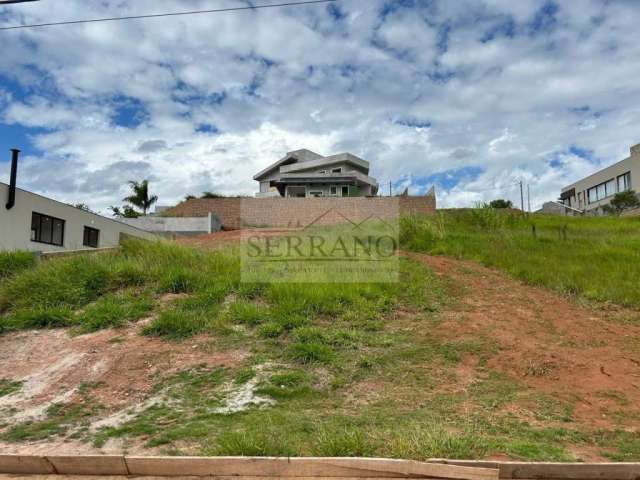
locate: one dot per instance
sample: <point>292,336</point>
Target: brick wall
<point>291,212</point>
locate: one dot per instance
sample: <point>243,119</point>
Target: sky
<point>470,96</point>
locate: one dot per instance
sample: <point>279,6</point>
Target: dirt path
<point>589,357</point>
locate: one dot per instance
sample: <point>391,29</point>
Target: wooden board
<point>559,471</point>
<point>25,464</point>
<point>302,467</point>
<point>89,464</point>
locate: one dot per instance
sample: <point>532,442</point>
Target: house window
<point>345,191</point>
<point>336,170</point>
<point>602,191</point>
<point>322,171</point>
<point>46,229</point>
<point>315,193</point>
<point>624,182</point>
<point>90,237</point>
<point>334,190</point>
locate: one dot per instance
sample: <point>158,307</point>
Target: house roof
<point>302,155</point>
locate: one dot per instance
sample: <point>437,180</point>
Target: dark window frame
<point>38,236</point>
<point>86,240</point>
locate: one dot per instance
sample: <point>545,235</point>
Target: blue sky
<point>471,96</point>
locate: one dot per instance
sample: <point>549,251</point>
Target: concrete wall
<point>630,164</point>
<point>179,225</point>
<point>290,212</point>
<point>15,224</point>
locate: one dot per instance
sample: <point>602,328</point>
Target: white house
<point>29,221</point>
<point>303,173</point>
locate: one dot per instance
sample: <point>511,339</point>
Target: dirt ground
<point>120,365</point>
<point>584,355</point>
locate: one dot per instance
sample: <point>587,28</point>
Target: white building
<point>303,173</point>
<point>29,221</point>
<point>595,191</point>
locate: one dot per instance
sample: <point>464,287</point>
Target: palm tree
<point>140,197</point>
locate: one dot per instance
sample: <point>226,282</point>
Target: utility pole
<point>528,198</point>
<point>389,187</point>
<point>521,196</point>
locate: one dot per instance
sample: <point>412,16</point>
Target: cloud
<point>472,96</point>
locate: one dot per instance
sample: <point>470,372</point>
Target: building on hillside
<point>29,221</point>
<point>592,193</point>
<point>303,173</point>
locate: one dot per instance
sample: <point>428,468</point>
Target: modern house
<point>303,173</point>
<point>29,221</point>
<point>592,193</point>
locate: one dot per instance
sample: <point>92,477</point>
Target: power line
<point>171,14</point>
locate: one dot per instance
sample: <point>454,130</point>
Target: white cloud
<point>501,96</point>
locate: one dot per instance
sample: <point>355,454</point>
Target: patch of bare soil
<point>579,354</point>
<point>230,237</point>
<point>119,366</point>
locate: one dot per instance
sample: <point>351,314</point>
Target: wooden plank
<point>411,468</point>
<point>25,464</point>
<point>301,467</point>
<point>559,471</point>
<point>89,464</point>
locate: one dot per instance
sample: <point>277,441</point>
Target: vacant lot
<point>161,349</point>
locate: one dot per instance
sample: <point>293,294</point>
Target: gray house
<point>303,173</point>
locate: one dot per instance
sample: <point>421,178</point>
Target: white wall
<point>15,224</point>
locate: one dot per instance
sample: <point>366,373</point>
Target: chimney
<point>11,200</point>
<point>635,150</point>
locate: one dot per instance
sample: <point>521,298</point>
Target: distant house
<point>592,193</point>
<point>303,173</point>
<point>29,221</point>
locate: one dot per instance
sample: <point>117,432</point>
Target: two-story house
<point>303,173</point>
<point>591,193</point>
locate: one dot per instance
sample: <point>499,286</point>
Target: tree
<point>211,195</point>
<point>126,211</point>
<point>500,203</point>
<point>82,206</point>
<point>189,197</point>
<point>622,201</point>
<point>140,197</point>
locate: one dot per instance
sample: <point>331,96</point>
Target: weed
<point>306,353</point>
<point>8,386</point>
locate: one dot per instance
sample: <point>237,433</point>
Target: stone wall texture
<point>237,213</point>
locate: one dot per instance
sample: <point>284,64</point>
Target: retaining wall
<point>236,213</point>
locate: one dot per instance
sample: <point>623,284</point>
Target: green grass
<point>597,258</point>
<point>353,369</point>
<point>15,262</point>
<point>8,386</point>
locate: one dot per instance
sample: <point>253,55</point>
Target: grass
<point>15,262</point>
<point>353,369</point>
<point>8,386</point>
<point>597,258</point>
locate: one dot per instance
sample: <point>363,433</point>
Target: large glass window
<point>624,182</point>
<point>46,229</point>
<point>602,191</point>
